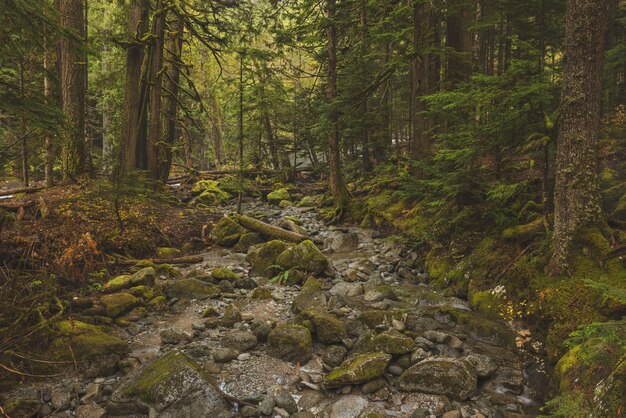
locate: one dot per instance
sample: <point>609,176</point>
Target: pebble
<point>244,357</point>
<point>373,386</point>
<point>395,370</point>
<point>266,406</point>
<point>224,355</point>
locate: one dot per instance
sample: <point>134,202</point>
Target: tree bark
<point>156,79</point>
<point>577,197</point>
<point>47,91</point>
<point>364,110</point>
<point>170,107</point>
<point>420,74</point>
<point>459,67</point>
<point>138,27</point>
<point>271,141</point>
<point>73,72</point>
<point>337,186</point>
<point>269,230</point>
<point>217,138</point>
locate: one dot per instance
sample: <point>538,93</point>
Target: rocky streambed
<point>286,330</point>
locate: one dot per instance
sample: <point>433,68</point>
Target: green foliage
<point>282,276</point>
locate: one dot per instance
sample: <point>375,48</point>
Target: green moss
<point>309,201</point>
<point>227,232</point>
<point>437,267</point>
<point>142,291</point>
<point>158,301</point>
<point>487,303</point>
<point>192,289</point>
<point>262,256</point>
<point>262,293</point>
<point>22,408</point>
<point>285,203</point>
<point>304,256</point>
<point>247,240</point>
<point>392,342</point>
<point>612,195</point>
<point>482,327</point>
<point>118,303</point>
<point>290,342</point>
<point>167,252</point>
<point>525,232</point>
<point>223,273</point>
<point>328,329</point>
<point>619,213</point>
<point>277,195</point>
<point>209,193</point>
<point>357,369</point>
<point>86,341</point>
<point>117,283</point>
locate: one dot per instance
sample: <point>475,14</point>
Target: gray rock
<point>240,340</point>
<point>451,377</point>
<point>420,413</point>
<point>224,355</point>
<point>60,398</point>
<point>373,386</point>
<point>173,336</point>
<point>348,406</point>
<point>346,289</point>
<point>395,370</point>
<point>250,412</point>
<point>418,355</point>
<point>334,355</point>
<point>343,243</point>
<point>90,410</point>
<point>266,406</point>
<point>261,330</point>
<point>290,343</point>
<point>285,401</point>
<point>484,365</point>
<point>92,393</point>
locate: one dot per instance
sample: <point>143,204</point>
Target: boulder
<point>227,232</point>
<point>232,315</point>
<point>357,369</point>
<point>290,343</point>
<point>209,193</point>
<point>450,377</point>
<point>240,340</point>
<point>175,386</point>
<point>191,289</point>
<point>304,256</point>
<point>277,195</point>
<point>118,303</point>
<point>311,296</point>
<point>145,276</point>
<point>345,242</point>
<point>87,342</point>
<point>262,256</point>
<point>392,342</point>
<point>246,241</point>
<point>484,365</point>
<point>223,273</point>
<point>328,329</point>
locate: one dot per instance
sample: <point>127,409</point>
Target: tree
<point>577,195</point>
<point>73,72</point>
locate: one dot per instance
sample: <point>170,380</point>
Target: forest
<point>313,208</point>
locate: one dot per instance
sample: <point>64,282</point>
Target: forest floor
<point>254,327</point>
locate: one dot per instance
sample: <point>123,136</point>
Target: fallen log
<point>189,259</point>
<point>9,192</point>
<point>15,206</point>
<point>270,230</point>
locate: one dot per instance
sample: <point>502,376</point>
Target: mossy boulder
<point>174,382</point>
<point>450,377</point>
<point>376,317</point>
<point>328,329</point>
<point>117,283</point>
<point>285,203</point>
<point>437,266</point>
<point>310,297</point>
<point>487,302</point>
<point>191,289</point>
<point>262,256</point>
<point>290,342</point>
<point>142,291</point>
<point>146,276</point>
<point>277,195</point>
<point>392,342</point>
<point>223,273</point>
<point>118,303</point>
<point>227,232</point>
<point>209,193</point>
<point>168,252</point>
<point>87,342</point>
<point>357,369</point>
<point>305,257</point>
<point>482,327</point>
<point>262,293</point>
<point>232,315</point>
<point>308,202</point>
<point>525,232</point>
<point>247,240</point>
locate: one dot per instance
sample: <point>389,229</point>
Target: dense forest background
<point>487,131</point>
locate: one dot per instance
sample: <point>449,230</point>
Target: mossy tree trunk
<point>576,195</point>
<point>73,72</point>
<point>156,87</point>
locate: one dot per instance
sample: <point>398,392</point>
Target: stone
<point>420,413</point>
<point>346,289</point>
<point>244,357</point>
<point>262,256</point>
<point>303,414</point>
<point>222,273</point>
<point>310,296</point>
<point>418,355</point>
<point>277,195</point>
<point>266,406</point>
<point>232,315</point>
<point>87,342</point>
<point>118,303</point>
<point>224,355</point>
<point>201,275</point>
<point>328,329</point>
<point>452,414</point>
<point>60,398</point>
<point>191,289</point>
<point>261,293</point>
<point>373,296</point>
<point>348,406</point>
<point>451,377</point>
<point>250,412</point>
<point>395,370</point>
<point>261,330</point>
<point>290,343</point>
<point>90,410</point>
<point>175,385</point>
<point>226,287</point>
<point>285,401</point>
<point>304,256</point>
<point>343,243</point>
<point>392,342</point>
<point>227,232</point>
<point>334,355</point>
<point>246,241</point>
<point>484,365</point>
<point>92,393</point>
<point>357,369</point>
<point>240,340</point>
<point>174,336</point>
<point>373,386</point>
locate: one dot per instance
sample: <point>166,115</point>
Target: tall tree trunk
<point>73,71</point>
<point>337,186</point>
<point>271,141</point>
<point>215,132</point>
<point>577,197</point>
<point>47,90</point>
<point>89,167</point>
<point>364,108</point>
<point>459,39</point>
<point>156,79</point>
<point>23,133</point>
<point>170,107</point>
<point>138,26</point>
<point>420,74</point>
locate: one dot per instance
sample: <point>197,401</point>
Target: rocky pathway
<point>357,336</point>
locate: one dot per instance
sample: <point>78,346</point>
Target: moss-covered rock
<point>118,303</point>
<point>146,276</point>
<point>523,233</point>
<point>141,291</point>
<point>223,273</point>
<point>262,256</point>
<point>482,327</point>
<point>277,195</point>
<point>227,232</point>
<point>174,381</point>
<point>246,241</point>
<point>262,293</point>
<point>209,193</point>
<point>328,329</point>
<point>232,315</point>
<point>374,318</point>
<point>309,201</point>
<point>168,252</point>
<point>451,377</point>
<point>305,257</point>
<point>357,369</point>
<point>87,342</point>
<point>290,343</point>
<point>285,203</point>
<point>392,342</point>
<point>310,296</point>
<point>191,289</point>
<point>437,266</point>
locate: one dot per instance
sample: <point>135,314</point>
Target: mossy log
<point>190,259</point>
<point>270,230</point>
<point>9,192</point>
